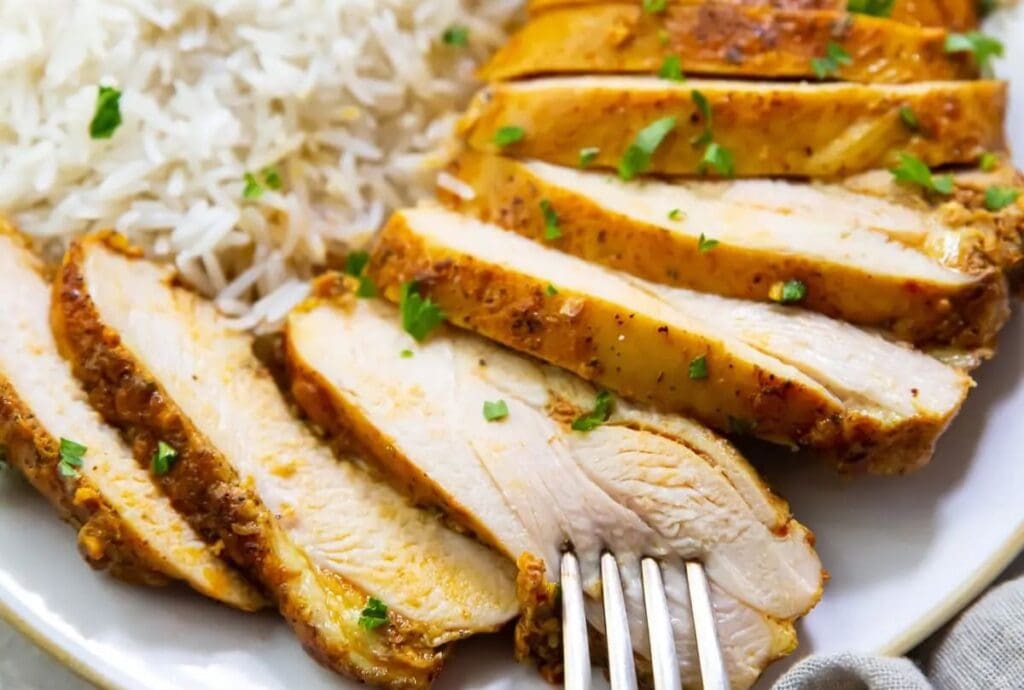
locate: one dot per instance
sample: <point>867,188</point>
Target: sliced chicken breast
<point>865,261</point>
<point>723,40</point>
<point>781,373</point>
<point>950,14</point>
<point>49,432</point>
<point>769,128</point>
<point>323,536</point>
<point>643,483</point>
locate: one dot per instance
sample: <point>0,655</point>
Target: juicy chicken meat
<point>644,483</point>
<point>955,15</point>
<point>124,523</point>
<point>781,373</point>
<point>722,40</point>
<point>865,261</point>
<point>321,535</point>
<point>771,128</point>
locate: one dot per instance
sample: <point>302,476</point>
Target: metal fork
<point>664,662</point>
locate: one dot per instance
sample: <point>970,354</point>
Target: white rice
<point>352,100</point>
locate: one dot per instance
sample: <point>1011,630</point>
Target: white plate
<point>905,554</point>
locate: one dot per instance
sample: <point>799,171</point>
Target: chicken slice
<point>723,40</point>
<point>642,484</point>
<point>771,128</point>
<point>950,14</point>
<point>865,261</point>
<point>124,523</point>
<point>321,535</point>
<point>781,373</point>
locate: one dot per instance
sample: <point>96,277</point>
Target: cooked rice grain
<point>351,100</point>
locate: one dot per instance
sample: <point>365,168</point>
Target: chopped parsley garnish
<point>706,244</point>
<point>509,134</point>
<point>637,157</point>
<point>675,214</point>
<point>699,367</point>
<point>496,410</point>
<point>456,35</point>
<point>988,161</point>
<point>374,614</point>
<point>912,170</point>
<point>596,417</point>
<point>588,156</point>
<point>998,198</point>
<point>107,116</point>
<point>982,47</point>
<point>405,354</point>
<point>986,7</point>
<point>874,8</point>
<point>828,66</point>
<point>741,427</point>
<point>419,316</point>
<point>671,69</point>
<point>909,118</point>
<point>163,457</point>
<point>269,177</point>
<point>355,266</point>
<point>719,158</point>
<point>71,455</point>
<point>788,292</point>
<point>655,6</point>
<point>701,101</point>
<point>550,290</point>
<point>551,229</point>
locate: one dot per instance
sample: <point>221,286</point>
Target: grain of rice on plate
<point>336,109</point>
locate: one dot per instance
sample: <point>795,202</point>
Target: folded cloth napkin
<point>982,650</point>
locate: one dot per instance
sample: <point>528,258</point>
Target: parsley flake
<point>550,290</point>
<point>107,116</point>
<point>719,158</point>
<point>269,177</point>
<point>675,214</point>
<point>988,161</point>
<point>163,457</point>
<point>828,66</point>
<point>419,316</point>
<point>788,292</point>
<point>374,614</point>
<point>741,427</point>
<point>672,69</point>
<point>588,156</point>
<point>654,6</point>
<point>982,47</point>
<point>551,229</point>
<point>998,198</point>
<point>912,170</point>
<point>873,8</point>
<point>405,354</point>
<point>698,368</point>
<point>637,157</point>
<point>495,411</point>
<point>509,134</point>
<point>909,118</point>
<point>355,266</point>
<point>252,189</point>
<point>706,244</point>
<point>70,454</point>
<point>596,417</point>
<point>456,35</point>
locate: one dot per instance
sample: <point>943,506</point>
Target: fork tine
<point>709,652</point>
<point>574,626</point>
<point>664,661</point>
<point>616,627</point>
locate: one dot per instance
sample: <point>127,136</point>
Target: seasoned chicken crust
<point>723,40</point>
<point>771,128</point>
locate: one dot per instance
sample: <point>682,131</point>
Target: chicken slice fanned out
<point>950,14</point>
<point>723,40</point>
<point>323,536</point>
<point>125,524</point>
<point>643,483</point>
<point>767,128</point>
<point>781,373</point>
<point>865,261</point>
